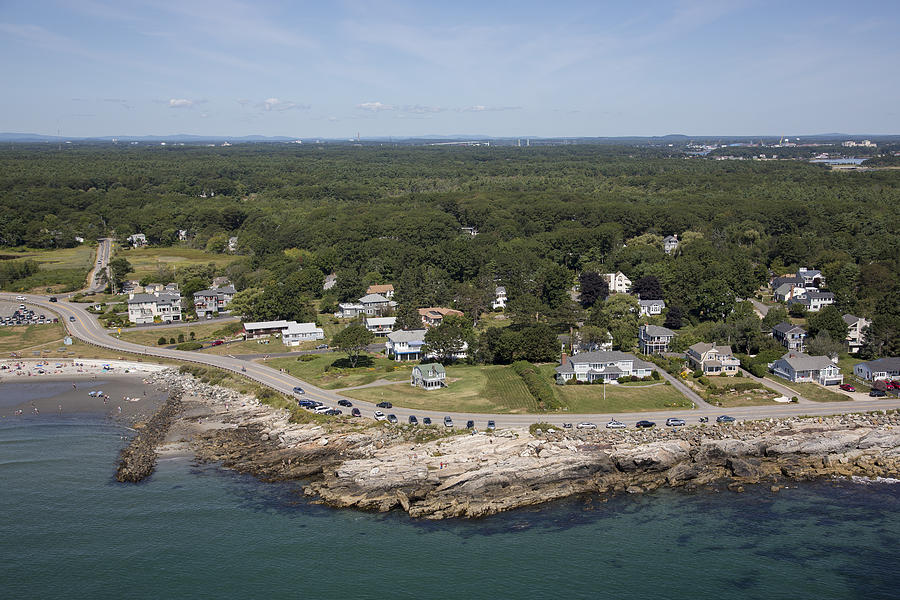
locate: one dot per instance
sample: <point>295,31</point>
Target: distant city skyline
<point>504,69</point>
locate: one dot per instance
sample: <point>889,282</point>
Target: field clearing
<point>146,261</point>
<point>17,338</point>
<point>322,371</point>
<point>62,270</point>
<point>815,392</point>
<point>202,331</point>
<point>620,398</point>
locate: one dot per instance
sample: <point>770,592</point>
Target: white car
<point>20,298</point>
<point>586,425</point>
<point>379,416</point>
<point>321,409</point>
<point>615,425</point>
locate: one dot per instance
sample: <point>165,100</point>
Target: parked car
<point>847,387</point>
<point>345,403</point>
<point>413,420</point>
<point>322,347</point>
<point>298,390</point>
<point>379,416</point>
<point>877,393</point>
<point>392,418</point>
<point>586,425</point>
<point>675,422</point>
<point>321,409</point>
<point>491,425</point>
<point>426,421</point>
<point>704,419</point>
<point>567,426</point>
<point>355,413</point>
<point>448,422</point>
<point>218,343</point>
<point>645,424</point>
<point>613,424</point>
<point>334,412</point>
<point>724,419</point>
<point>305,404</point>
<point>384,405</point>
<point>470,424</point>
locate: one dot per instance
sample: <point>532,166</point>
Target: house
<point>603,366</point>
<point>799,367</point>
<point>653,339</point>
<point>813,300</point>
<point>788,290</point>
<point>213,300</point>
<point>386,290</point>
<point>159,305</point>
<point>812,278</point>
<point>499,302</point>
<point>712,359</point>
<point>792,337</point>
<point>330,281</point>
<point>380,325</point>
<point>406,345</point>
<point>472,231</point>
<point>880,368</point>
<point>651,308</point>
<point>79,239</point>
<point>262,329</point>
<point>434,316</point>
<point>670,243</point>
<point>137,240</point>
<point>430,376</point>
<point>370,304</point>
<point>618,283</point>
<point>232,245</point>
<point>295,333</point>
<point>855,332</point>
<point>182,235</point>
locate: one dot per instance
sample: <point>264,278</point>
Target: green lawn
<point>817,393</point>
<point>60,270</point>
<point>202,331</point>
<point>758,396</point>
<point>323,372</point>
<point>17,338</point>
<point>620,398</point>
<point>146,261</point>
<point>846,362</point>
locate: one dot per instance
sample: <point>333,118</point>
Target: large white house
<point>792,337</point>
<point>855,328</point>
<point>499,302</point>
<point>370,304</point>
<point>799,367</point>
<point>650,308</point>
<point>618,283</point>
<point>881,368</point>
<point>813,300</point>
<point>261,329</point>
<point>380,325</point>
<point>159,306</point>
<point>712,359</point>
<point>406,344</point>
<point>296,333</point>
<point>653,339</point>
<point>601,366</point>
<point>431,376</point>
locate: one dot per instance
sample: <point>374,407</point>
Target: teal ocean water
<point>68,530</point>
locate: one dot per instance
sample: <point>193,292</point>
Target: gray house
<point>799,367</point>
<point>431,376</point>
<point>881,368</point>
<point>792,337</point>
<point>653,339</point>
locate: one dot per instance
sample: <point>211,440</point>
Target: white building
<point>261,329</point>
<point>651,308</point>
<point>430,376</point>
<point>296,333</point>
<point>137,240</point>
<point>380,325</point>
<point>881,368</point>
<point>670,243</point>
<point>406,345</point>
<point>855,328</point>
<point>370,304</point>
<point>159,306</point>
<point>799,367</point>
<point>214,300</point>
<point>602,366</point>
<point>499,302</point>
<point>618,283</point>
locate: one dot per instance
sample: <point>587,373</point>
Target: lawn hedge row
<point>537,385</point>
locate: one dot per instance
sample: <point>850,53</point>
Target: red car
<point>847,387</point>
<point>218,343</point>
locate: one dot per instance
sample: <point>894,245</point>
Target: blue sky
<point>518,68</point>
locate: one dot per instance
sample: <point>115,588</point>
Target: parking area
<point>16,314</point>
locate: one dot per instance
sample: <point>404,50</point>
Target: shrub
<point>189,346</point>
<point>795,399</point>
<point>193,335</point>
<point>697,374</point>
<point>180,337</point>
<point>542,426</point>
<point>307,357</point>
<point>704,381</point>
<point>161,341</point>
<point>536,384</point>
<point>738,374</point>
<point>655,375</point>
<point>171,340</point>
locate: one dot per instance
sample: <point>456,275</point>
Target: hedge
<point>539,388</point>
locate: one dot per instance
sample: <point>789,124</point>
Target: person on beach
<point>74,387</point>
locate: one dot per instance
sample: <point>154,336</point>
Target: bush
<point>161,341</point>
<point>738,374</point>
<point>697,374</point>
<point>542,426</point>
<point>180,337</point>
<point>795,399</point>
<point>172,340</point>
<point>307,357</point>
<point>536,384</point>
<point>655,375</point>
<point>704,381</point>
<point>189,346</point>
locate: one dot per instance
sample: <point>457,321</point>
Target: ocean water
<point>69,530</point>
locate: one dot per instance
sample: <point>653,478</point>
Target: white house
<point>499,302</point>
<point>653,339</point>
<point>381,325</point>
<point>855,328</point>
<point>232,245</point>
<point>670,243</point>
<point>182,235</point>
<point>431,376</point>
<point>406,345</point>
<point>261,329</point>
<point>386,290</point>
<point>880,368</point>
<point>712,359</point>
<point>601,366</point>
<point>164,306</point>
<point>651,307</point>
<point>295,333</point>
<point>618,283</point>
<point>137,240</point>
<point>370,304</point>
<point>434,315</point>
<point>813,300</point>
<point>799,367</point>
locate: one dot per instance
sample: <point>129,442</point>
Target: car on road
<point>491,425</point>
<point>613,424</point>
<point>645,424</point>
<point>413,420</point>
<point>470,424</point>
<point>379,416</point>
<point>847,387</point>
<point>20,298</point>
<point>567,426</point>
<point>426,421</point>
<point>877,394</point>
<point>346,403</point>
<point>71,319</point>
<point>675,422</point>
<point>725,419</point>
<point>333,412</point>
<point>218,343</point>
<point>586,425</point>
<point>448,422</point>
<point>298,390</point>
<point>355,413</point>
<point>322,347</point>
<point>384,405</point>
<point>52,298</point>
<point>392,418</point>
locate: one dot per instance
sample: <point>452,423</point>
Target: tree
<point>525,309</point>
<point>776,315</point>
<point>621,312</point>
<point>824,345</point>
<point>537,343</point>
<point>828,319</point>
<point>408,317</point>
<point>592,336</point>
<point>473,300</point>
<point>450,338</point>
<point>353,340</point>
<point>594,287</point>
<point>674,317</point>
<point>648,288</point>
<point>119,268</point>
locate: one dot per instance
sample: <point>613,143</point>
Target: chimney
<point>564,359</point>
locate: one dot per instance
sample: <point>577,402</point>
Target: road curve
<point>85,327</point>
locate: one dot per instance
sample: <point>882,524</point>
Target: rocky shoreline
<point>430,474</point>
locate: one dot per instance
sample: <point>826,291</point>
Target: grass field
<point>620,398</point>
<point>321,371</point>
<point>60,270</point>
<point>18,338</point>
<point>816,393</point>
<point>202,331</point>
<point>146,261</point>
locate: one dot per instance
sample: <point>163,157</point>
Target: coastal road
<point>104,252</point>
<point>85,327</point>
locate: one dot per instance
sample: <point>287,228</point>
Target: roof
<point>652,302</point>
<point>434,311</point>
<point>601,356</point>
<point>821,295</point>
<point>567,368</point>
<point>785,327</point>
<point>381,320</point>
<point>210,292</point>
<point>431,369</point>
<point>701,347</point>
<point>300,328</point>
<point>784,289</point>
<point>267,325</point>
<point>162,298</point>
<point>889,363</point>
<point>411,335</point>
<point>657,331</point>
<point>670,238</point>
<point>372,299</point>
<point>380,288</point>
<point>804,362</point>
<point>500,290</point>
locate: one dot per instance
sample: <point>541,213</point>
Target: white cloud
<point>280,105</point>
<point>180,103</point>
<point>482,108</point>
<point>375,106</point>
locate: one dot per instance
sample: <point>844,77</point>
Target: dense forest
<point>545,217</point>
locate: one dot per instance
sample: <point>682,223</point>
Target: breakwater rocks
<point>138,458</point>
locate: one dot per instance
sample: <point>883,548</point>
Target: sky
<point>335,69</point>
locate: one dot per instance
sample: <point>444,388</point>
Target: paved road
<point>86,328</point>
<point>104,251</point>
